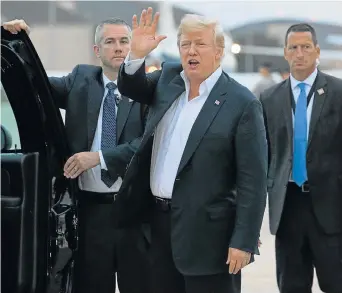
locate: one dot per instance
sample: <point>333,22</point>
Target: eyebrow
<point>112,39</point>
<point>301,44</point>
<point>196,40</point>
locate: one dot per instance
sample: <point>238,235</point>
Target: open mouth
<point>193,63</point>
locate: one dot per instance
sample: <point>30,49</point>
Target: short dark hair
<point>266,64</point>
<point>302,27</point>
<point>114,20</point>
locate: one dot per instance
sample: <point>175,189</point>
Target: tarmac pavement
<point>260,277</point>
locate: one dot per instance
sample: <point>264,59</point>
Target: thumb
<point>160,38</point>
<point>229,256</point>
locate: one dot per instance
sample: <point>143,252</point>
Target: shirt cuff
<point>132,66</point>
<point>102,161</point>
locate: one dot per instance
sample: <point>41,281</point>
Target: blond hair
<point>192,22</point>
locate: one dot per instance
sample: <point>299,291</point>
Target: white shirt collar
<point>308,81</point>
<point>106,80</point>
<point>208,84</point>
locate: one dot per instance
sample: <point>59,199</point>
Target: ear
<point>96,51</point>
<point>318,50</point>
<point>219,53</point>
<point>285,54</point>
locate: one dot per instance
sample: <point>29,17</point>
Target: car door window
<point>8,120</point>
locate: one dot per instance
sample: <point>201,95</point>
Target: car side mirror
<point>6,139</point>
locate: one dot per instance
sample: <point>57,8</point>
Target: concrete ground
<point>259,277</point>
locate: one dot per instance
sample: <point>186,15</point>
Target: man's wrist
<point>135,56</point>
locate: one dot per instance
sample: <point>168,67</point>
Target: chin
<point>116,66</point>
<point>192,73</point>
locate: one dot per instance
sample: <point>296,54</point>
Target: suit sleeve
<point>139,86</point>
<point>61,87</point>
<point>251,162</point>
<point>118,158</point>
<point>266,127</point>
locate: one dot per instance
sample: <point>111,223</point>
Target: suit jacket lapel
<point>123,111</point>
<point>318,103</point>
<point>95,96</point>
<point>286,108</point>
<point>212,105</point>
<point>171,93</point>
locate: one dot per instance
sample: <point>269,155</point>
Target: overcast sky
<point>236,13</point>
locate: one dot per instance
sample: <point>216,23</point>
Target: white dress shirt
<point>296,91</point>
<point>172,132</point>
<point>90,180</point>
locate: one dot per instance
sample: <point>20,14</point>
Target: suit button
<point>177,179</point>
<point>309,160</point>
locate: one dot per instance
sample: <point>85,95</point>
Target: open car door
<point>38,230</point>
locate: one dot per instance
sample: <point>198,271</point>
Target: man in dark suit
<point>202,163</point>
<point>304,125</point>
<point>103,130</point>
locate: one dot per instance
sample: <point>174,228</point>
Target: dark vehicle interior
<point>38,227</point>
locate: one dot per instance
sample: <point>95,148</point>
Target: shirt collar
<point>106,80</point>
<point>208,84</point>
<point>308,81</point>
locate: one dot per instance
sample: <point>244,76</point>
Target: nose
<point>299,52</point>
<point>192,50</point>
<point>118,46</point>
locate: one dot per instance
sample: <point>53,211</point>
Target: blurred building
<point>63,34</point>
<point>63,31</point>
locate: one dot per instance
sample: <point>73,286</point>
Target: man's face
<point>114,45</point>
<point>200,56</point>
<point>264,71</point>
<point>301,52</point>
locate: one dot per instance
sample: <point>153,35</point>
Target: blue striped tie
<point>108,137</point>
<point>299,172</point>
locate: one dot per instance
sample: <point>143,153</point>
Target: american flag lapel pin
<point>320,91</point>
<point>217,102</point>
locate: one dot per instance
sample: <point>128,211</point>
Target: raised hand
<point>16,25</point>
<point>144,38</point>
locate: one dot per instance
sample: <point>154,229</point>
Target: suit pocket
<point>220,213</point>
<point>217,215</point>
<point>220,225</point>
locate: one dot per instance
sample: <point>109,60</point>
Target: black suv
<point>38,207</point>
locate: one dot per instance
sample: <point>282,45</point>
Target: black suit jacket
<point>324,154</point>
<point>219,194</point>
<point>80,93</point>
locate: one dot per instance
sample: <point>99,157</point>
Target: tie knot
<point>111,86</point>
<point>301,86</point>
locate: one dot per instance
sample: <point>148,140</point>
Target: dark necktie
<point>108,137</point>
